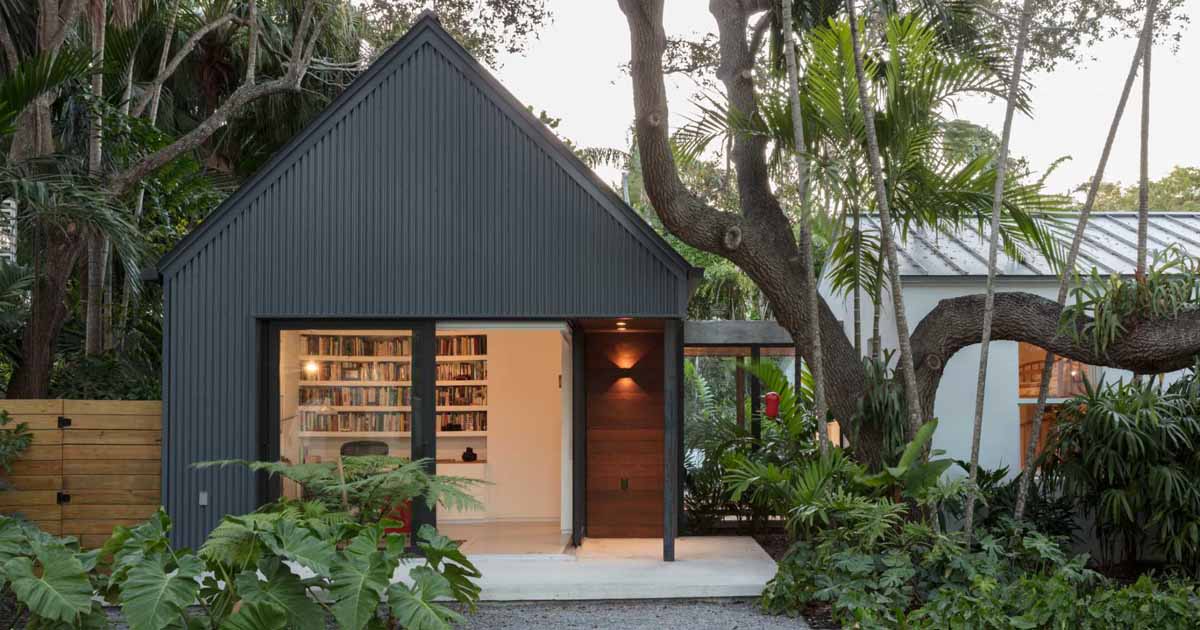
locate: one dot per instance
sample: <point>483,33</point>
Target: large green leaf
<point>445,556</point>
<point>284,589</point>
<point>155,597</point>
<point>260,616</point>
<point>416,607</point>
<point>360,580</point>
<point>297,544</point>
<point>912,452</point>
<point>60,590</point>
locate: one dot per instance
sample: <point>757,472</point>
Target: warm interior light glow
<point>621,325</point>
<point>311,367</point>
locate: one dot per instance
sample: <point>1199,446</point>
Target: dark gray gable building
<point>425,199</point>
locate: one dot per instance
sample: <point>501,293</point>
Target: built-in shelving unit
<point>359,385</point>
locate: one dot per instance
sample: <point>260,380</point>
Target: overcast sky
<point>573,72</point>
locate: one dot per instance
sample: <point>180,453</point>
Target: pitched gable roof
<point>428,30</point>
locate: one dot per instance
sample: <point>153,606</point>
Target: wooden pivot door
<point>625,463</point>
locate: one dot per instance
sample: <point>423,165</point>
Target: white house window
<point>1067,380</point>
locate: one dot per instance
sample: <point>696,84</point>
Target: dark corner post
<point>578,437</point>
<point>424,412</point>
<point>755,395</point>
<point>672,434</point>
<point>269,487</point>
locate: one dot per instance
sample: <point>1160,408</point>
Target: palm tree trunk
<point>908,371</point>
<point>127,292</point>
<point>858,351</point>
<point>1144,166</point>
<point>1067,272</point>
<point>989,302</point>
<point>816,362</point>
<point>97,245</point>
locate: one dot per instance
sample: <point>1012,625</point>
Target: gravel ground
<point>627,615</point>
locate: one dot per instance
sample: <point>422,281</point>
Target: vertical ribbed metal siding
<point>422,198</point>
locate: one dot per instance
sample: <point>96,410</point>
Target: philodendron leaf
<point>260,616</point>
<point>445,555</point>
<point>284,589</point>
<point>912,452</point>
<point>59,591</point>
<point>360,579</point>
<point>153,597</point>
<point>299,545</point>
<point>416,606</point>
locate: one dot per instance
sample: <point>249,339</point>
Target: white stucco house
<point>936,267</point>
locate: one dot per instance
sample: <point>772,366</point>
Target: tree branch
<point>1147,347</point>
<point>764,247</point>
<point>252,43</point>
<point>184,51</point>
<point>67,15</point>
<point>297,67</point>
<point>10,48</point>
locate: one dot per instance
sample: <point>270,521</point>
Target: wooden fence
<point>93,465</point>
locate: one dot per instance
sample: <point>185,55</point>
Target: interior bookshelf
<point>359,385</point>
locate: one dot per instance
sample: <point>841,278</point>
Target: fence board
<point>70,452</point>
<point>122,488</point>
<point>110,436</point>
<point>111,467</point>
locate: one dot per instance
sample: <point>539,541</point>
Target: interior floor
<point>527,538</point>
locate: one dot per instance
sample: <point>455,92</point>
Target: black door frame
<point>424,374</point>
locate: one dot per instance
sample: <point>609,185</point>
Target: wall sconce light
<point>311,368</point>
<point>621,326</point>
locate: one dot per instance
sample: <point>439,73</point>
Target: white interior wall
<point>525,424</point>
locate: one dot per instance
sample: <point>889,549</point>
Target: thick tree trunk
<point>820,408</point>
<point>1068,271</point>
<point>1010,108</point>
<point>48,312</point>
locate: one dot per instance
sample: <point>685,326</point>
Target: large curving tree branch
<point>1147,347</point>
<point>760,240</point>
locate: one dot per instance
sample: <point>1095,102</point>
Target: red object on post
<point>772,406</point>
<point>402,513</point>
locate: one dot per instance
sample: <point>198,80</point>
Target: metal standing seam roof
<point>1109,245</point>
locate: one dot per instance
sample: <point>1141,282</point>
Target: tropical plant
<point>289,566</point>
<point>14,440</point>
<point>1126,455</point>
<point>367,488</point>
<point>1106,307</point>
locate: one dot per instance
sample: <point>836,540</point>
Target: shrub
<point>1126,454</point>
<point>288,567</point>
<point>367,488</point>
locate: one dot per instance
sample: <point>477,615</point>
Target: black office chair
<point>364,447</point>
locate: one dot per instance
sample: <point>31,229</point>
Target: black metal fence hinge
<point>63,422</point>
<point>63,497</point>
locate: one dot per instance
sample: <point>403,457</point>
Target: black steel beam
<point>424,412</point>
<point>578,437</point>
<point>672,434</point>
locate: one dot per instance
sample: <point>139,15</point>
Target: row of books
<point>356,345</point>
<point>462,421</point>
<point>462,371</point>
<point>354,395</point>
<point>354,371</point>
<point>355,421</point>
<point>462,395</point>
<point>462,345</point>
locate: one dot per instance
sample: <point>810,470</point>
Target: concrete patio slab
<point>710,566</point>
